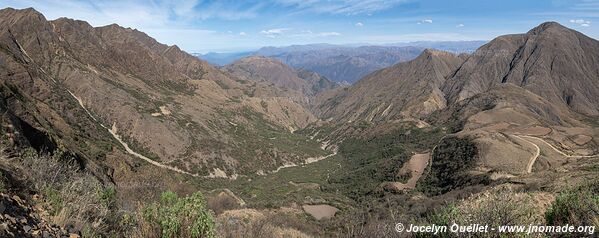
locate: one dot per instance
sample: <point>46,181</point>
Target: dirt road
<point>532,159</point>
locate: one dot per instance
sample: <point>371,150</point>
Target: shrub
<point>107,196</point>
<point>219,204</point>
<point>2,186</point>
<point>451,160</point>
<point>176,216</point>
<point>578,206</point>
<point>68,192</point>
<point>264,224</point>
<point>497,208</point>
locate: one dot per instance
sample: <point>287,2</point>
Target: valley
<point>159,143</point>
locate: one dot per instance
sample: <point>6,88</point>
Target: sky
<point>200,26</point>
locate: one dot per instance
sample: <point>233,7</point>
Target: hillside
<point>515,85</point>
<point>273,71</point>
<point>566,75</point>
<point>106,132</point>
<point>405,90</point>
<point>87,87</point>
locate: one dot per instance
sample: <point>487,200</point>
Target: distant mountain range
<point>273,132</point>
<point>537,83</point>
<point>341,63</point>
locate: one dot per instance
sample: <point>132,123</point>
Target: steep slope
<point>73,82</point>
<point>554,62</point>
<point>542,83</point>
<point>275,72</point>
<point>406,90</point>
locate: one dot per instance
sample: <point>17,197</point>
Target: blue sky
<point>202,26</point>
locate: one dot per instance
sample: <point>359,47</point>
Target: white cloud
<point>429,21</point>
<point>459,25</point>
<point>387,39</point>
<point>290,33</point>
<point>348,7</point>
<point>242,33</point>
<point>359,24</point>
<point>274,33</point>
<point>581,22</point>
<point>329,34</point>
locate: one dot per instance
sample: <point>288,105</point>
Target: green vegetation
<point>576,206</point>
<point>342,180</point>
<point>497,208</point>
<point>289,185</point>
<point>107,196</point>
<point>451,160</point>
<point>369,162</point>
<point>444,216</point>
<point>176,216</point>
<point>257,141</point>
<point>138,147</point>
<point>69,194</point>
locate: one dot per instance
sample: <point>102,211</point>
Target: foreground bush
<point>176,216</point>
<point>73,197</point>
<point>493,208</point>
<point>578,206</point>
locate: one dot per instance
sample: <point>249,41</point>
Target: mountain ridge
<point>175,108</point>
<point>532,63</point>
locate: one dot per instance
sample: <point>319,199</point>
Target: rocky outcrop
<point>18,218</point>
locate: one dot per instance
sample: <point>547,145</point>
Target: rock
<point>45,234</point>
<point>71,229</point>
<point>11,219</point>
<point>74,236</point>
<point>17,199</point>
<point>26,228</point>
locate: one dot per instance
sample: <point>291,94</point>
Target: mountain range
<point>345,64</point>
<point>515,84</point>
<point>74,82</point>
<point>278,144</point>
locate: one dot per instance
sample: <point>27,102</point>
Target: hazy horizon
<point>200,26</point>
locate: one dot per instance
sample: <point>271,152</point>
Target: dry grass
<point>221,203</point>
<point>263,224</point>
<point>71,196</point>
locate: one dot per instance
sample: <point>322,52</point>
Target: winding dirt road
<point>113,132</point>
<point>538,152</point>
<point>559,151</point>
<point>115,135</point>
<point>532,159</point>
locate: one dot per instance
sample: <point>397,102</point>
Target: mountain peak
<point>434,52</point>
<point>550,25</point>
<point>28,10</point>
<point>26,13</point>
